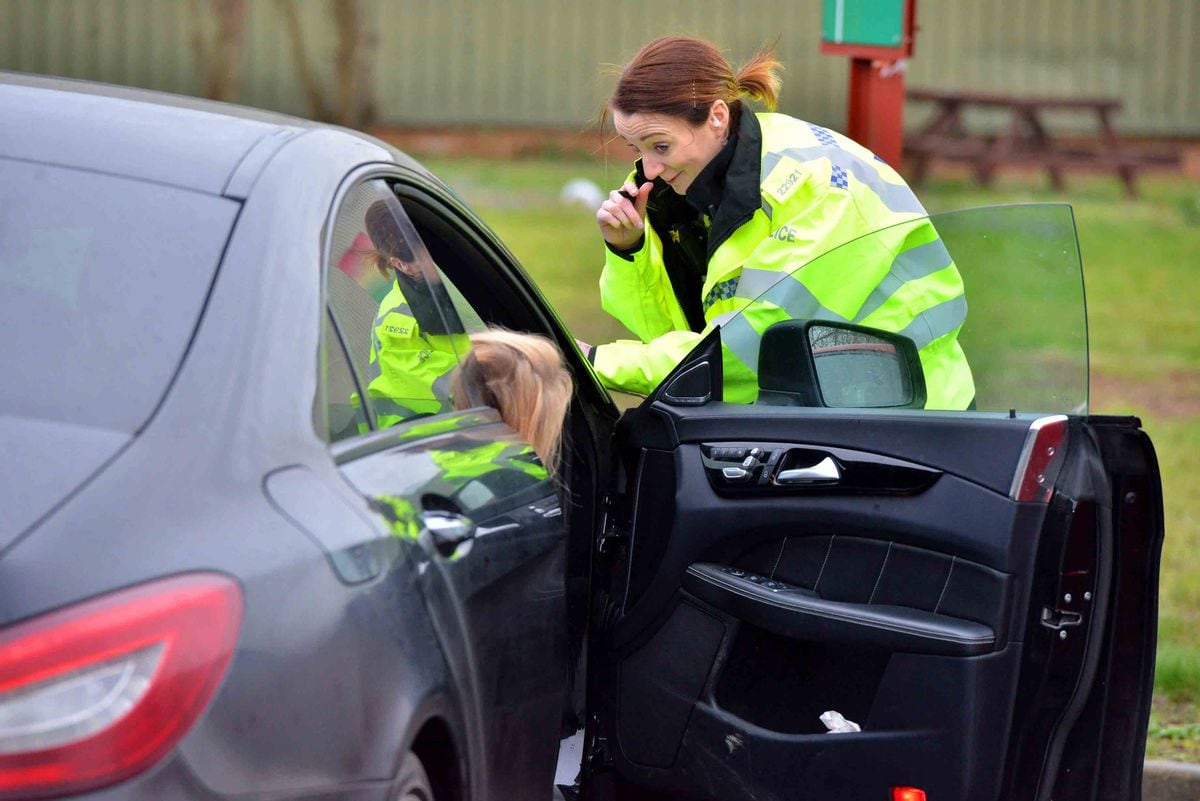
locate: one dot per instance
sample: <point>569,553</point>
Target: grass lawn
<point>1142,270</point>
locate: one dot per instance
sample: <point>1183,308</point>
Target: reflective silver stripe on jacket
<point>911,265</point>
<point>936,322</point>
<point>403,308</point>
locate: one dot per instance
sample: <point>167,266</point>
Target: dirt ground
<point>1175,394</point>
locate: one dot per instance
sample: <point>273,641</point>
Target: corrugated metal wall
<point>537,62</point>
<point>542,61</point>
<point>1145,52</point>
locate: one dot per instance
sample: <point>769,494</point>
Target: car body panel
<point>78,293</point>
<point>182,147</point>
<point>498,601</point>
<point>45,461</point>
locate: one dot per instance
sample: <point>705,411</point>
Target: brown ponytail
<point>758,79</point>
<point>380,262</point>
<point>682,77</point>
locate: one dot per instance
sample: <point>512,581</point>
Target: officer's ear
<point>409,268</point>
<point>718,117</point>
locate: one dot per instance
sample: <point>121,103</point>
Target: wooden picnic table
<point>1026,141</point>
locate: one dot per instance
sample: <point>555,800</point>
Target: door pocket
<point>784,685</point>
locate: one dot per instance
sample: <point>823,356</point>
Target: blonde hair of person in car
<point>522,376</point>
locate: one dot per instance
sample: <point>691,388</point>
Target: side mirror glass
<point>838,365</point>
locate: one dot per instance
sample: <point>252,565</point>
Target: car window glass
<point>404,325</point>
<point>337,412</point>
<point>102,281</point>
<point>992,299</point>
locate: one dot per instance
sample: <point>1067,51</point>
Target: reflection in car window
<point>402,322</point>
<point>455,467</point>
<point>992,298</point>
<point>102,280</point>
<point>856,370</point>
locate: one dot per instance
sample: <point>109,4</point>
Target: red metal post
<point>875,109</point>
<point>875,114</point>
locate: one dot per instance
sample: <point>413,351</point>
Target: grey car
<point>230,568</point>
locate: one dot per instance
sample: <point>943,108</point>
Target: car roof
<point>154,136</point>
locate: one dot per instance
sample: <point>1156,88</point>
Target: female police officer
<point>724,204</point>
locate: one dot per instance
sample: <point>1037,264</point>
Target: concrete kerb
<point>1170,781</point>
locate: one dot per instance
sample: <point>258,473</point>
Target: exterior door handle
<point>823,472</point>
<point>447,530</point>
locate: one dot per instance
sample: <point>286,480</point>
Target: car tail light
<point>97,692</point>
<point>1040,461</point>
<point>907,794</point>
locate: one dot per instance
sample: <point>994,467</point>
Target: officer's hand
<point>622,216</point>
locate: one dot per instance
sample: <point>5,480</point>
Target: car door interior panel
<point>894,579</point>
<point>954,520</point>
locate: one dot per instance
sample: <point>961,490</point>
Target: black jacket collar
<point>731,184</point>
<point>704,195</point>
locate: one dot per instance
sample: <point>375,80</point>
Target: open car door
<point>975,589</point>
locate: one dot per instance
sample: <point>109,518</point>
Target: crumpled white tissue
<point>838,724</point>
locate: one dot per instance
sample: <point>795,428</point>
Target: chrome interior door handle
<point>823,472</point>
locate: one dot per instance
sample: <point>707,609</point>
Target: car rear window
<point>102,281</point>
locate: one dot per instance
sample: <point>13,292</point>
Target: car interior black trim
<point>761,465</point>
<point>976,446</point>
<point>796,612</point>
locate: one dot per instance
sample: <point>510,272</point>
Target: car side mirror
<point>838,365</point>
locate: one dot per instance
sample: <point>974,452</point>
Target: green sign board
<point>876,23</point>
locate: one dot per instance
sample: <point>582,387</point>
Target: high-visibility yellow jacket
<point>791,191</point>
<point>409,370</point>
